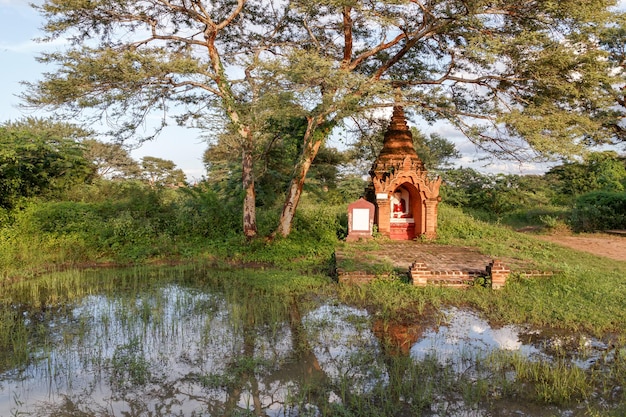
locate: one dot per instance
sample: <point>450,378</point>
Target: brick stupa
<point>406,199</point>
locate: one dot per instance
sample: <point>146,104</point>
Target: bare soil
<point>601,244</point>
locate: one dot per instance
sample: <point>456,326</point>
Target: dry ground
<point>607,245</point>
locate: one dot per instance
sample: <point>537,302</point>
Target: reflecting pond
<point>163,346</point>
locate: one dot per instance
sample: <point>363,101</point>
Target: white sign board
<point>361,219</point>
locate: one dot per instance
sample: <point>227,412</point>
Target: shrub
<point>599,210</point>
<point>200,212</point>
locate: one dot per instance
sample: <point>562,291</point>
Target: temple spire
<point>398,142</point>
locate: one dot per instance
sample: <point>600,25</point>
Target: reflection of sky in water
<point>337,329</point>
<point>468,336</point>
<point>180,332</point>
<point>343,342</point>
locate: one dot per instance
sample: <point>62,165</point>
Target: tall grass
<point>256,297</point>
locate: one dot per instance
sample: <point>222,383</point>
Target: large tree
<point>598,171</point>
<point>111,160</point>
<point>273,165</point>
<point>158,172</point>
<point>191,60</point>
<point>519,78</point>
<point>613,39</point>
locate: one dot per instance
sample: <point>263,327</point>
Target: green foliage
<point>274,166</point>
<point>158,172</point>
<point>599,210</point>
<point>123,221</point>
<point>308,248</point>
<point>318,223</point>
<point>40,157</point>
<point>544,201</point>
<point>111,160</point>
<point>599,171</point>
<point>434,150</point>
<point>494,193</point>
<point>556,381</point>
<point>129,367</point>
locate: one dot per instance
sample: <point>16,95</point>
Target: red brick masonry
<point>430,264</point>
<point>422,275</point>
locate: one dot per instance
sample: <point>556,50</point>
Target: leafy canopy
<point>39,156</point>
<point>508,74</point>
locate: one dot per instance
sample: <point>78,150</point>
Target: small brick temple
<point>404,196</point>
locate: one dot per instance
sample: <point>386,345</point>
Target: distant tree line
<point>587,194</point>
<point>40,157</point>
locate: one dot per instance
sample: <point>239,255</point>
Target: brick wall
<point>422,275</point>
<point>498,273</point>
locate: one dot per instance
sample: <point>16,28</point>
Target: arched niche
<point>405,214</point>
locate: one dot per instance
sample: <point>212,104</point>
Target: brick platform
<point>430,264</point>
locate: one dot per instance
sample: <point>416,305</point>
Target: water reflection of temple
<point>397,338</point>
<point>405,197</point>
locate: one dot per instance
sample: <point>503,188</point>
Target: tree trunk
<point>310,371</point>
<point>249,201</point>
<point>309,151</point>
<point>228,99</point>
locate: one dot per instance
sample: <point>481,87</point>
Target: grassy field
<point>588,294</point>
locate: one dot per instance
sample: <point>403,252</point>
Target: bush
<point>599,210</point>
<point>200,212</point>
<point>120,221</point>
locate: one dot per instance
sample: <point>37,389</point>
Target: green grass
<point>587,294</point>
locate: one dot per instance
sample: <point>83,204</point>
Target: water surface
<point>173,348</point>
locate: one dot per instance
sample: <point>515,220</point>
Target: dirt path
<point>610,246</point>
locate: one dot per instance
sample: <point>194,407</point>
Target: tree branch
<point>347,36</point>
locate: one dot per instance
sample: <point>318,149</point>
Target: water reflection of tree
<point>286,357</point>
<point>276,355</point>
<point>301,367</point>
<point>272,367</point>
<point>262,381</point>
